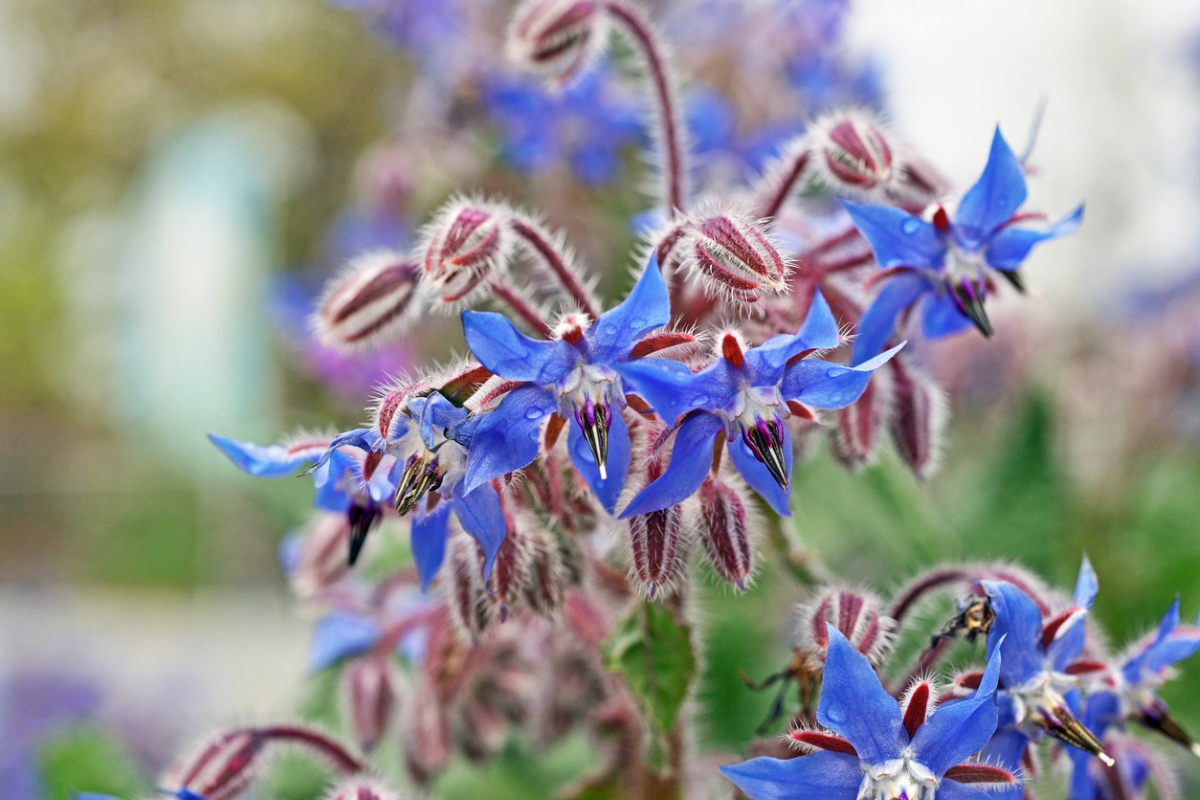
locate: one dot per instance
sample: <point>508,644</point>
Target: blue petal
<point>953,790</point>
<point>428,541</point>
<point>898,238</point>
<point>855,705</point>
<point>434,415</point>
<point>1087,585</point>
<point>1016,632</point>
<point>994,198</point>
<point>691,459</point>
<point>672,390</point>
<point>274,461</point>
<point>340,634</point>
<point>329,479</point>
<point>759,477</point>
<point>1009,248</point>
<point>942,317</point>
<point>506,439</point>
<point>821,384</point>
<point>507,352</point>
<point>957,730</point>
<point>1006,750</point>
<point>765,363</point>
<point>481,517</point>
<point>879,320</point>
<point>646,308</point>
<point>607,491</point>
<point>827,775</point>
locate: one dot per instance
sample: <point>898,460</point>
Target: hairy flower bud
<point>469,603</point>
<point>321,557</point>
<point>557,39</point>
<point>734,256</point>
<point>371,694</point>
<point>373,300</point>
<point>858,424</point>
<point>725,531</point>
<point>919,418</point>
<point>856,614</point>
<point>426,734</point>
<point>855,156</point>
<point>221,768</point>
<point>658,546</point>
<point>467,243</point>
<point>510,574</point>
<point>546,575</point>
<point>358,788</point>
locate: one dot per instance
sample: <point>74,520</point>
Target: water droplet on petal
<point>910,226</point>
<point>835,713</point>
<point>534,412</point>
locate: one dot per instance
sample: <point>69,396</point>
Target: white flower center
<point>898,779</point>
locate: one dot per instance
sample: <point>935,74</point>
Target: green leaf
<point>654,654</point>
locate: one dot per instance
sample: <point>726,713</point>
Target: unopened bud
<point>466,244</point>
<point>659,549</point>
<point>546,575</point>
<point>856,614</point>
<point>221,768</point>
<point>362,789</point>
<point>735,258</point>
<point>557,39</point>
<point>374,300</point>
<point>725,532</point>
<point>855,156</point>
<point>858,424</point>
<point>371,692</point>
<point>918,419</point>
<point>321,560</point>
<point>426,734</point>
<point>511,570</point>
<point>469,603</point>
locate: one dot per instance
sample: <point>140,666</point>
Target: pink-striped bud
<point>375,299</point>
<point>725,532</point>
<point>856,614</point>
<point>363,789</point>
<point>918,420</point>
<point>855,155</point>
<point>221,768</point>
<point>858,424</point>
<point>468,599</point>
<point>465,245</point>
<point>510,573</point>
<point>557,39</point>
<point>426,734</point>
<point>322,558</point>
<point>659,549</point>
<point>546,575</point>
<point>734,256</point>
<point>371,694</point>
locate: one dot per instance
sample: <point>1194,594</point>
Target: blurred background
<point>179,177</point>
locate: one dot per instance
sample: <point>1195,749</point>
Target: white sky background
<point>1121,131</point>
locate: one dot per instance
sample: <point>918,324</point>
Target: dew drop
<point>910,226</point>
<point>835,713</point>
<point>533,412</point>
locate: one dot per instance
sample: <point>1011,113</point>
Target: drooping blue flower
<point>947,264</point>
<point>886,754</point>
<point>338,635</point>
<point>430,439</point>
<point>576,376</point>
<point>744,396</point>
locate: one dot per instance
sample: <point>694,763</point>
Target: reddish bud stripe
<point>1060,622</point>
<point>396,278</point>
<point>980,773</point>
<point>1086,667</point>
<point>388,407</point>
<point>917,709</point>
<point>660,341</point>
<point>823,741</point>
<point>726,540</point>
<point>969,680</point>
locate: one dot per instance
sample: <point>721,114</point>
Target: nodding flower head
<point>557,39</point>
<point>466,245</point>
<point>735,257</point>
<point>221,768</point>
<point>374,299</point>
<point>854,154</point>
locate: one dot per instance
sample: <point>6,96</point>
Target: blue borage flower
<point>947,262</point>
<point>745,395</point>
<point>577,376</point>
<point>880,750</point>
<point>348,478</point>
<point>1038,695</point>
<point>430,439</point>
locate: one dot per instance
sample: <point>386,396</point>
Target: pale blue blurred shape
<point>193,343</point>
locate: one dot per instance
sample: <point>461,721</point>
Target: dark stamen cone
<point>421,474</point>
<point>970,301</point>
<point>1062,725</point>
<point>766,443</point>
<point>362,519</point>
<point>594,421</point>
<point>1014,278</point>
<point>1158,718</point>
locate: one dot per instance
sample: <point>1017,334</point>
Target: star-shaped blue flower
<point>744,396</point>
<point>576,375</point>
<point>431,440</point>
<point>946,262</point>
<point>888,754</point>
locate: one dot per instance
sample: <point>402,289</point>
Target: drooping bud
<point>371,694</point>
<point>855,156</point>
<point>725,532</point>
<point>858,424</point>
<point>659,548</point>
<point>557,39</point>
<point>363,789</point>
<point>468,599</point>
<point>510,573</point>
<point>918,419</point>
<point>221,768</point>
<point>734,256</point>
<point>375,299</point>
<point>426,734</point>
<point>321,560</point>
<point>856,614</point>
<point>465,245</point>
<point>546,580</point>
